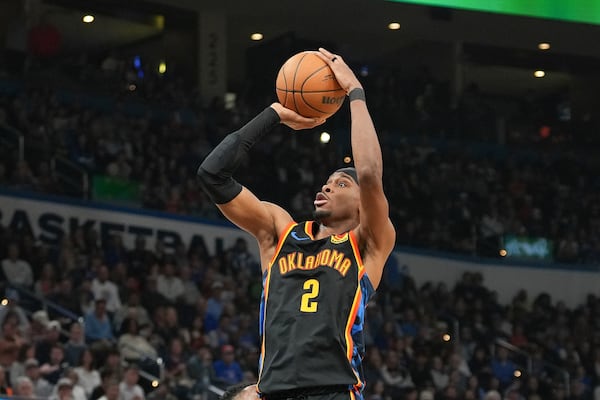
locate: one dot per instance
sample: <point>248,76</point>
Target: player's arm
<point>261,219</point>
<point>376,231</point>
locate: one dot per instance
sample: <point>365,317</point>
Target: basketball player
<point>317,275</point>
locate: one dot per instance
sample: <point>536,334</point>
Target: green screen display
<point>586,11</point>
<point>528,247</point>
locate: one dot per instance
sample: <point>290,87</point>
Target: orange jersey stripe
<point>266,294</point>
<point>286,232</point>
<point>356,253</point>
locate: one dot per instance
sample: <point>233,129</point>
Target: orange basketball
<point>306,84</point>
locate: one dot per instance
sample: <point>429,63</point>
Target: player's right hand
<point>294,120</point>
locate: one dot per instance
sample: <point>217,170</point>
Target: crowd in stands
<point>114,311</point>
<point>462,198</point>
<point>198,312</point>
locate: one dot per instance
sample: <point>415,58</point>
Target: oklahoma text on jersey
<point>324,258</point>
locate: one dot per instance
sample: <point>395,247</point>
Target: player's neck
<point>327,228</point>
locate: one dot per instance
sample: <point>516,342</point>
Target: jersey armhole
<point>282,237</point>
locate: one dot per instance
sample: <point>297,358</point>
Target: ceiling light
<point>88,19</point>
<point>256,36</point>
<point>539,73</point>
<point>543,46</point>
<point>394,26</point>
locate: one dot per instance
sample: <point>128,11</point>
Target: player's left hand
<point>294,120</point>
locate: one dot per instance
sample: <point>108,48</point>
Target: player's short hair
<point>351,171</point>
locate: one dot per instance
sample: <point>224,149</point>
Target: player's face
<point>340,196</point>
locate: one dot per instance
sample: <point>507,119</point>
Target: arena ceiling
<point>357,28</point>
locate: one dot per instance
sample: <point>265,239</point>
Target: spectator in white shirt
<point>168,284</point>
<point>129,388</point>
<point>17,271</point>
<point>103,288</point>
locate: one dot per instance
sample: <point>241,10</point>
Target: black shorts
<point>316,393</point>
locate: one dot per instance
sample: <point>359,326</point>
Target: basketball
<point>306,84</point>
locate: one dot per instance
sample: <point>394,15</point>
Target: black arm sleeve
<point>215,172</point>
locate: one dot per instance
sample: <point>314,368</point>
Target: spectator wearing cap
<point>41,387</point>
<point>104,288</point>
<point>16,270</point>
<point>24,388</point>
<point>227,369</point>
<point>97,323</point>
<point>64,390</point>
<point>39,326</point>
<point>44,347</point>
<point>129,388</point>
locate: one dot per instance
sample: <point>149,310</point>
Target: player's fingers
<point>324,57</point>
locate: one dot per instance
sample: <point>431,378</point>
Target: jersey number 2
<point>308,304</point>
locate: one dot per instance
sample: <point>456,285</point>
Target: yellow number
<point>307,304</point>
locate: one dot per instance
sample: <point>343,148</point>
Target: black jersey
<point>312,313</point>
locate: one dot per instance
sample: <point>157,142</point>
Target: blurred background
<point>487,116</point>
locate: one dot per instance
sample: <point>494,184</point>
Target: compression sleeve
<point>215,172</point>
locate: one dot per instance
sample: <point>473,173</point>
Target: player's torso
<point>312,298</point>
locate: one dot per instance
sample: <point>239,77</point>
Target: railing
<point>44,304</point>
<point>529,364</point>
<point>72,176</point>
<point>156,360</point>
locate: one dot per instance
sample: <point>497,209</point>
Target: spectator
<point>41,387</point>
<point>97,324</point>
<point>44,347</point>
<point>16,270</point>
<point>132,345</point>
<point>88,375</point>
<point>75,345</point>
<point>64,390</point>
<point>227,369</point>
<point>200,369</point>
<point>112,391</point>
<point>66,297</point>
<point>17,368</point>
<point>56,366</point>
<point>24,388</point>
<point>129,388</point>
<point>10,340</point>
<point>45,285</point>
<point>104,288</point>
<point>133,309</point>
<point>502,367</point>
<point>14,309</point>
<point>168,284</point>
